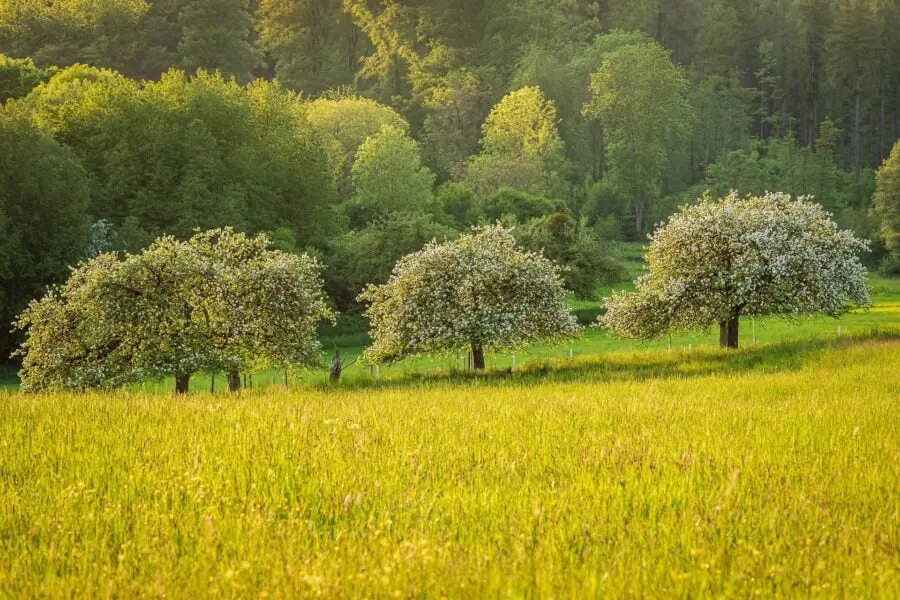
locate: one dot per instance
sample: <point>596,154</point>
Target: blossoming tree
<point>479,292</point>
<point>219,301</point>
<point>716,261</point>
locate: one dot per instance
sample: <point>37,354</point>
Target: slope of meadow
<point>771,470</point>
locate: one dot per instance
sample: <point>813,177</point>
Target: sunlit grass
<point>768,471</point>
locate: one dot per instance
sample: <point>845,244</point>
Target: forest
<point>359,130</point>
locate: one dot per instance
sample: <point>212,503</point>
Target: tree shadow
<point>636,366</point>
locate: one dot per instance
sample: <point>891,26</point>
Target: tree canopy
<point>388,176</point>
<point>187,152</point>
<point>716,261</point>
<point>887,202</point>
<point>640,100</point>
<point>187,114</point>
<point>44,225</point>
<point>477,292</point>
<point>220,301</point>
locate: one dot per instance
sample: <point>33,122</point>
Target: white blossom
<point>753,256</point>
<point>479,290</point>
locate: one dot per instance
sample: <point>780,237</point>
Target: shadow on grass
<point>9,380</point>
<point>637,366</point>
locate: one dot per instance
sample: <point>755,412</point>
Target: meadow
<point>624,469</point>
<point>771,470</point>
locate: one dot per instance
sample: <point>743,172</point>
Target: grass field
<point>626,470</point>
<point>768,471</point>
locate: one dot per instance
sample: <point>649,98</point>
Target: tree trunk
<point>728,332</point>
<point>881,128</point>
<point>234,381</point>
<point>763,111</point>
<point>477,357</point>
<point>638,217</point>
<point>334,373</point>
<point>814,93</point>
<point>181,383</point>
<point>784,118</point>
<point>856,144</point>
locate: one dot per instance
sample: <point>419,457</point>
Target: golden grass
<point>704,474</point>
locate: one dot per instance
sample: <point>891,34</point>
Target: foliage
<point>754,256</point>
<point>640,100</point>
<point>368,255</point>
<point>219,301</point>
<point>459,203</point>
<point>521,147</point>
<point>479,291</point>
<point>486,174</point>
<point>523,122</point>
<point>887,200</point>
<point>215,36</point>
<point>345,122</point>
<point>796,95</point>
<point>18,76</point>
<point>43,214</point>
<point>388,176</point>
<point>457,105</point>
<point>66,32</point>
<point>313,42</point>
<point>186,152</point>
<point>588,261</point>
<point>523,207</point>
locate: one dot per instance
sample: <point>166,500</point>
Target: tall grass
<point>767,472</point>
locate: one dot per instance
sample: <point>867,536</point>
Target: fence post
<point>753,327</point>
<point>513,361</point>
<point>670,341</point>
<point>212,383</point>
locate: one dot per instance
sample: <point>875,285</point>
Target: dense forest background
<point>360,129</point>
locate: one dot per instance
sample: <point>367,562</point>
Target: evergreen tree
<point>215,35</point>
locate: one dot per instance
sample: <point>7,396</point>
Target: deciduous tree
<point>219,301</point>
<point>478,292</point>
<point>716,261</point>
<point>44,198</point>
<point>186,152</point>
<point>639,97</point>
<point>344,123</point>
<point>887,201</point>
<point>521,147</point>
<point>388,176</point>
